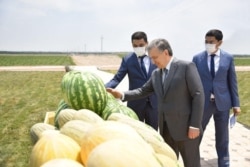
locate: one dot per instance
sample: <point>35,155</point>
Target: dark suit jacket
<point>224,83</point>
<point>130,65</point>
<point>181,104</point>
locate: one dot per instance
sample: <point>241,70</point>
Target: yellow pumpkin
<point>54,145</point>
<point>65,115</point>
<point>166,161</point>
<point>62,162</point>
<point>122,153</point>
<point>150,135</point>
<point>37,129</point>
<point>87,116</point>
<point>75,129</point>
<point>105,131</point>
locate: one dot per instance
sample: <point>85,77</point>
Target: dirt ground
<point>112,62</point>
<point>100,61</point>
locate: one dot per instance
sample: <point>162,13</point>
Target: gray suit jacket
<point>181,104</point>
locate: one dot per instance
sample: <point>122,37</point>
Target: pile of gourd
<point>86,140</point>
<point>92,129</point>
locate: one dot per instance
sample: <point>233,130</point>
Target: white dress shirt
<point>216,61</point>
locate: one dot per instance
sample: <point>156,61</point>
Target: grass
<point>244,93</point>
<point>242,61</point>
<point>26,96</point>
<point>35,59</point>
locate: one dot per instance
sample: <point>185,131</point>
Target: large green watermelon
<point>84,90</point>
<point>113,106</point>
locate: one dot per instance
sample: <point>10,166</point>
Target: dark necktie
<point>143,66</point>
<point>212,71</point>
<point>164,75</point>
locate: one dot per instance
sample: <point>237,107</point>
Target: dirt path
<point>111,62</point>
<point>102,62</point>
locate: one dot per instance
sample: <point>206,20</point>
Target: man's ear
<point>166,52</point>
<point>220,42</point>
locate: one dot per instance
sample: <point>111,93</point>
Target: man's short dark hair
<point>215,33</point>
<point>139,35</point>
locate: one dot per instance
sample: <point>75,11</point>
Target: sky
<point>107,25</point>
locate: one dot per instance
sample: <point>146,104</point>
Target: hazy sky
<point>95,25</point>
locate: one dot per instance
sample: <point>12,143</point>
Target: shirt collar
<point>169,63</point>
<point>145,55</point>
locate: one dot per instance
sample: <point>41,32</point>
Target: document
<point>232,120</point>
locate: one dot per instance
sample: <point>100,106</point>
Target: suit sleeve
<point>121,73</point>
<point>197,95</point>
<point>144,91</point>
<point>232,81</point>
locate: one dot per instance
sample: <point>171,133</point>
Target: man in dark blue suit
<point>217,73</point>
<point>139,68</point>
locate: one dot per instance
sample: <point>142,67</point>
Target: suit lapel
<point>170,75</point>
<point>159,81</point>
<point>138,66</point>
<point>204,65</point>
<point>222,59</point>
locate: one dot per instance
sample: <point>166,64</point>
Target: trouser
<point>189,149</point>
<point>149,115</point>
<point>221,132</point>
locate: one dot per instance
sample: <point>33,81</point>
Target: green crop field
<point>242,61</point>
<point>26,96</point>
<point>34,59</point>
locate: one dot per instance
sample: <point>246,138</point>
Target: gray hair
<point>161,45</point>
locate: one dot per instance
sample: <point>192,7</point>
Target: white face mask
<point>210,48</point>
<point>140,51</point>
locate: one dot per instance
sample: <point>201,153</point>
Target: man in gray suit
<point>180,100</point>
<point>217,72</point>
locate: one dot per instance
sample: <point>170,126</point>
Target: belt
<point>212,99</point>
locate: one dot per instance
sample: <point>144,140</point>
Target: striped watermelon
<point>113,106</point>
<point>84,90</point>
<point>62,105</point>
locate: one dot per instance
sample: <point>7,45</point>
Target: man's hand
<point>236,111</point>
<point>193,133</point>
<point>117,94</point>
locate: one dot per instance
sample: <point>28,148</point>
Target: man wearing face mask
<point>138,66</point>
<point>217,73</point>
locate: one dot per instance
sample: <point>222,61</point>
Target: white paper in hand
<point>232,120</point>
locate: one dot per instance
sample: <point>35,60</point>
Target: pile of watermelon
<point>93,129</point>
<point>86,90</point>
